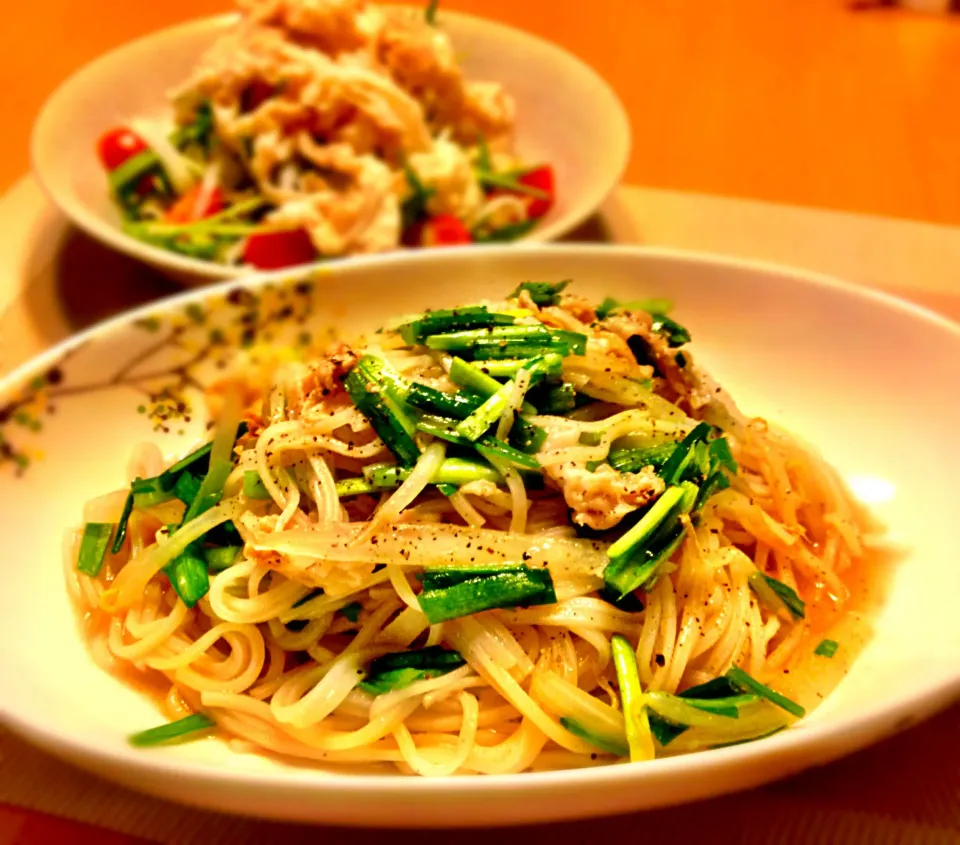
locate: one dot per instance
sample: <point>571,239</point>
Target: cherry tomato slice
<point>186,210</point>
<point>444,230</point>
<point>117,145</point>
<point>542,179</point>
<point>275,250</point>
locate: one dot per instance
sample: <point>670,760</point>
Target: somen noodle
<point>515,535</point>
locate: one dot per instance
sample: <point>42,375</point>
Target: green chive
<point>93,547</point>
<point>190,727</point>
<point>827,648</point>
<point>221,558</point>
<point>610,745</point>
<point>122,526</point>
<point>253,486</point>
<point>743,680</point>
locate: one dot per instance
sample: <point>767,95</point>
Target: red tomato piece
<point>445,230</point>
<point>185,209</point>
<point>275,250</point>
<point>542,179</point>
<point>118,145</point>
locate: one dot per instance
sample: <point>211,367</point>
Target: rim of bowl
<point>94,225</point>
<point>868,726</point>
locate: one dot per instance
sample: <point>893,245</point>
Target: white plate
<point>566,115</point>
<point>867,378</point>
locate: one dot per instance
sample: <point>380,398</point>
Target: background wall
<point>799,101</point>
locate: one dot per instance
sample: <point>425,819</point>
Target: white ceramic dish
<point>864,376</point>
<point>567,116</point>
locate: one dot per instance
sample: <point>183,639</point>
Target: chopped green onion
<point>443,428</point>
<point>776,594</point>
<point>188,574</point>
<point>190,727</point>
<point>645,528</point>
<point>467,339</point>
<point>721,455</point>
<point>766,735</point>
<point>683,453</point>
<point>187,487</point>
<point>494,450</point>
<point>664,730</point>
<point>637,554</point>
<point>414,206</point>
<point>168,478</point>
<point>452,320</point>
<point>553,399</point>
<point>93,547</point>
<point>526,436</point>
<point>550,364</point>
<point>651,306</point>
<point>511,587</point>
<point>604,309</point>
<point>430,15</point>
<point>474,426</point>
<point>721,687</point>
<point>747,683</point>
<point>542,293</point>
<point>826,648</point>
<point>629,603</point>
<point>352,611</point>
<point>473,379</point>
<point>558,342</point>
<point>675,334</point>
<point>122,525</point>
<point>484,161</point>
<point>459,405</point>
<point>222,557</point>
<point>717,481</point>
<point>253,486</point>
<point>148,492</point>
<point>508,182</point>
<point>643,573</point>
<point>399,670</point>
<point>441,577</point>
<point>608,744</point>
<point>316,592</point>
<point>729,707</point>
<point>634,460</point>
<point>373,389</point>
<point>635,716</point>
<point>358,487</point>
<point>507,233</point>
<point>211,489</point>
<point>455,471</point>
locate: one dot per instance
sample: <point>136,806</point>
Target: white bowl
<point>567,116</point>
<point>867,378</point>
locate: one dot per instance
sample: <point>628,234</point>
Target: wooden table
<point>798,101</point>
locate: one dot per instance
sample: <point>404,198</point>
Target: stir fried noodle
<point>519,535</point>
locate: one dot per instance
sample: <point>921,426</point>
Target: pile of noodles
<point>275,662</point>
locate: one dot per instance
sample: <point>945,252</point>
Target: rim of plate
<point>868,726</point>
<point>93,224</point>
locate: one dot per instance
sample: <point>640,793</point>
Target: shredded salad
<point>324,128</point>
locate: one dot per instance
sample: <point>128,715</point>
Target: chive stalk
<point>190,727</point>
<point>93,547</point>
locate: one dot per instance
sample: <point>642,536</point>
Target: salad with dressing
<point>325,128</point>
